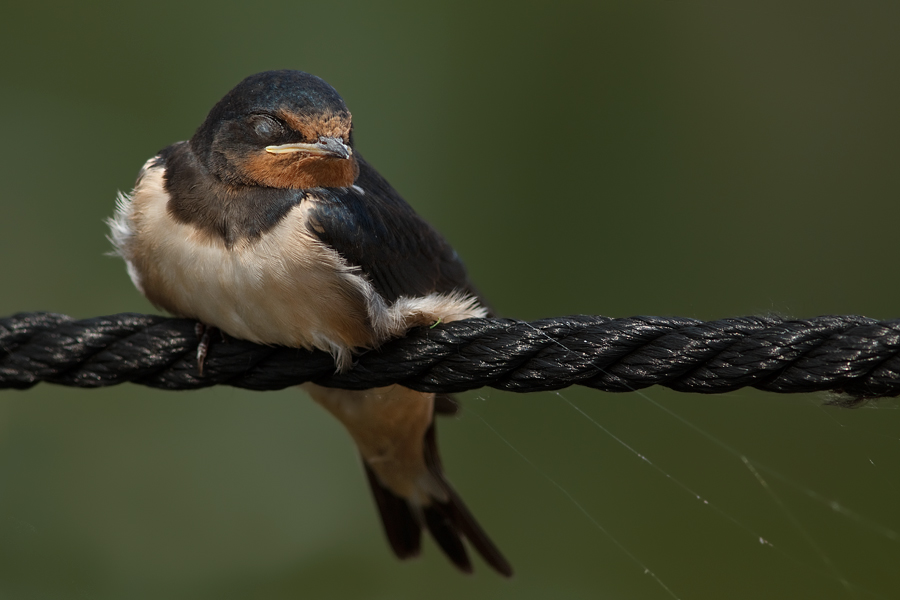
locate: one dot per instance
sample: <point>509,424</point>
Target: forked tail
<point>448,519</point>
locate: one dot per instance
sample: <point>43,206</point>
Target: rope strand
<point>853,355</point>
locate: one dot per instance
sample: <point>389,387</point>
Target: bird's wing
<point>373,228</point>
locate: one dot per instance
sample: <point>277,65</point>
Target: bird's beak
<point>326,146</point>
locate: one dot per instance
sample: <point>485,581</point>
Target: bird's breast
<point>284,287</point>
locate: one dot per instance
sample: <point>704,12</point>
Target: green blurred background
<point>617,158</point>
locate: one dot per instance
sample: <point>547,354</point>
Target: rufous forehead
<point>335,125</point>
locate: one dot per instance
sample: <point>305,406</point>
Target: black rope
<point>852,355</point>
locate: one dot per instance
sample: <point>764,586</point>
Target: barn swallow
<point>269,225</point>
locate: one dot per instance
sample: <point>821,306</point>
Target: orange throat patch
<point>301,171</point>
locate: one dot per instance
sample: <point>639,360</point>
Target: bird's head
<point>281,129</point>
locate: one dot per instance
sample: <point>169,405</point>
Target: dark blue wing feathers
<point>373,228</point>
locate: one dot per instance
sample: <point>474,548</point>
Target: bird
<point>270,226</point>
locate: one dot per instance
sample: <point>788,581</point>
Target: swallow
<point>269,225</point>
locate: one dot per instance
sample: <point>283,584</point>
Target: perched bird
<point>269,225</point>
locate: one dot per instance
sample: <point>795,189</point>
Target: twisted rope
<point>853,355</point>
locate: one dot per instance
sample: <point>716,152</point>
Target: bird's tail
<point>447,519</point>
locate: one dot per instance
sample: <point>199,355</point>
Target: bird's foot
<point>204,332</point>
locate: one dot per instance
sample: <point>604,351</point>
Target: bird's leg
<point>204,333</point>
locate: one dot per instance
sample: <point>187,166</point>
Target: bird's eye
<point>266,127</point>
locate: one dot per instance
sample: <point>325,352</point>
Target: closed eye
<point>266,127</point>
